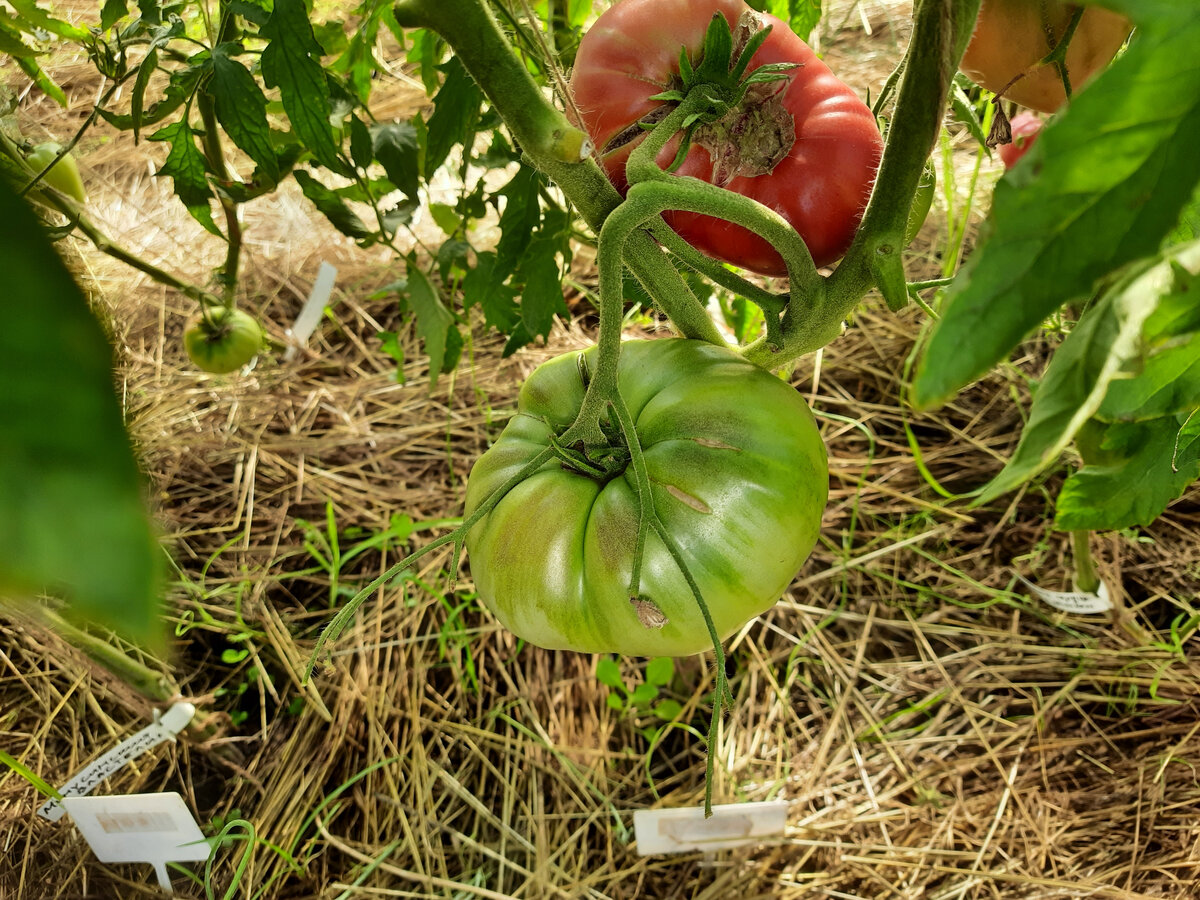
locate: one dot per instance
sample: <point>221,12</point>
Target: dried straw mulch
<point>936,733</point>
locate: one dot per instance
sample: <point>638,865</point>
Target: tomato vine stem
<point>457,537</point>
<point>543,132</point>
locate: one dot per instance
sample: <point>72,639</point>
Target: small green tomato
<point>64,177</point>
<point>224,341</point>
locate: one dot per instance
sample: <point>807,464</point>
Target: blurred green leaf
<point>1157,461</point>
<point>72,517</point>
<point>455,114</point>
<point>1107,344</point>
<point>333,207</point>
<point>1102,186</point>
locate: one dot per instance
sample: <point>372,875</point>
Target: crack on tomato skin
<point>688,499</point>
<point>648,612</point>
<point>713,444</point>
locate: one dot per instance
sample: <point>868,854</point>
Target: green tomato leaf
<point>34,19</point>
<point>181,86</point>
<point>112,12</point>
<point>362,145</point>
<point>137,100</point>
<point>186,166</point>
<point>660,670</point>
<point>292,63</point>
<point>455,114</point>
<point>1157,460</point>
<point>1102,186</point>
<point>398,150</point>
<point>45,83</point>
<point>10,39</point>
<point>1168,385</point>
<point>497,300</point>
<point>434,321</point>
<point>72,516</point>
<point>333,207</point>
<point>1107,344</point>
<point>542,295</point>
<point>242,110</point>
<point>802,16</point>
<point>520,219</point>
<point>608,672</point>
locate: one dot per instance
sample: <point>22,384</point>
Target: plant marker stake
<point>146,828</point>
<point>686,830</point>
<point>164,728</point>
<point>310,314</point>
<point>1080,602</point>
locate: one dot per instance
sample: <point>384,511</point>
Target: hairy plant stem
<point>48,197</point>
<point>146,681</point>
<point>941,30</point>
<point>693,195</point>
<point>214,152</point>
<point>552,144</point>
<point>457,537</point>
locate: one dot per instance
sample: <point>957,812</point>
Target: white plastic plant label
<point>146,828</point>
<point>660,831</point>
<point>1083,602</point>
<point>163,728</point>
<point>310,313</point>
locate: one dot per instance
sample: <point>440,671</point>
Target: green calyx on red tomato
<point>1012,37</point>
<point>800,142</point>
<point>738,479</point>
<point>64,177</point>
<point>223,341</point>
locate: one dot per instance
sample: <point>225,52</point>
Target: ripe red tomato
<point>1012,35</point>
<point>823,179</point>
<point>1025,128</point>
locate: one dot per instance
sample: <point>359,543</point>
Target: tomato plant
<point>738,479</point>
<point>1012,37</point>
<point>64,175</point>
<point>223,341</point>
<point>804,146</point>
<point>1025,127</point>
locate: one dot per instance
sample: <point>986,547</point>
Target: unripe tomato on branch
<point>1012,37</point>
<point>805,145</point>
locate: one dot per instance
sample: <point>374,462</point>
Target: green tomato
<point>224,341</point>
<point>64,177</point>
<point>738,477</point>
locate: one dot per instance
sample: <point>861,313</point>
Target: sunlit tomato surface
<point>738,476</point>
<point>1025,128</point>
<point>223,342</point>
<point>821,184</point>
<point>64,176</point>
<point>1012,35</point>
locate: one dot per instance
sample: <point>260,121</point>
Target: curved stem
<point>941,30</point>
<point>694,195</point>
<point>771,304</point>
<point>457,537</point>
<point>553,144</point>
<point>721,694</point>
<point>641,484</point>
